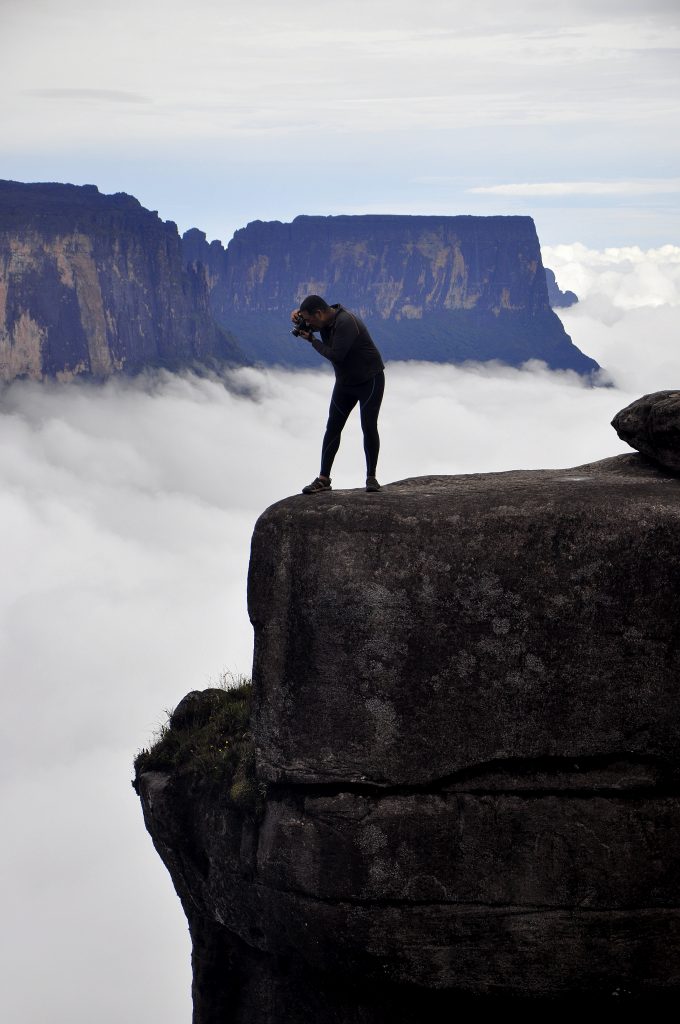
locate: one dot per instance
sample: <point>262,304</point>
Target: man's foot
<point>320,484</point>
<point>372,484</point>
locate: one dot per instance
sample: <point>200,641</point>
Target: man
<point>359,378</point>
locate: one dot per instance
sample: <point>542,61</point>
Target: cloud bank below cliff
<point>628,313</point>
<point>127,512</point>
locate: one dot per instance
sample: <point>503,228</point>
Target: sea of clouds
<point>126,512</point>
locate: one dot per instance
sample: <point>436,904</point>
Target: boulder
<point>651,424</point>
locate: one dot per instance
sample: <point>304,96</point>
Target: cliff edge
<point>464,750</point>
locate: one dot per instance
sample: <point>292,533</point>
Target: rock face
<point>557,298</point>
<point>466,715</point>
<point>651,424</point>
<point>437,288</point>
<point>93,284</point>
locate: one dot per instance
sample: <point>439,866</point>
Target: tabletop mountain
<point>446,289</point>
<point>94,284</point>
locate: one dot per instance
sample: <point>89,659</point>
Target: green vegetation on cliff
<point>209,733</point>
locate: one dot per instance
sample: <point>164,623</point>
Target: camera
<point>301,326</point>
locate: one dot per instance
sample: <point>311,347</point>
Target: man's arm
<point>344,335</point>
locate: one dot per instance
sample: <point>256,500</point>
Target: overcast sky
<point>127,511</point>
<point>216,113</point>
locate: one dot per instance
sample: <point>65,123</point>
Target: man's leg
<point>342,403</point>
<point>369,408</point>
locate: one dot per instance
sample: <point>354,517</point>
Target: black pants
<point>369,395</point>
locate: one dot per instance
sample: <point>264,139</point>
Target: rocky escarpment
<point>437,288</point>
<point>467,742</point>
<point>93,284</point>
<point>557,298</point>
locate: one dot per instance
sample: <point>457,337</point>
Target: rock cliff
<point>436,288</point>
<point>557,298</point>
<point>93,284</point>
<point>466,749</point>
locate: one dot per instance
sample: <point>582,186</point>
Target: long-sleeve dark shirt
<point>350,348</point>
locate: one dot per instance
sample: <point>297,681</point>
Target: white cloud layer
<point>652,186</point>
<point>627,277</point>
<point>627,317</point>
<point>126,512</point>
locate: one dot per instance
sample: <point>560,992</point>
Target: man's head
<point>316,311</point>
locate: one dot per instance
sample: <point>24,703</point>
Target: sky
<point>126,512</point>
<point>126,509</point>
<point>217,113</point>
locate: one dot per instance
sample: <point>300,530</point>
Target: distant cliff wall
<point>93,284</point>
<point>557,298</point>
<point>466,728</point>
<point>437,288</point>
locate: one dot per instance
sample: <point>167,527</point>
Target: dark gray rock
<point>197,708</point>
<point>454,622</point>
<point>467,715</point>
<point>531,895</point>
<point>651,424</point>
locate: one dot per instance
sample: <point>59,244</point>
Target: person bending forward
<point>359,377</point>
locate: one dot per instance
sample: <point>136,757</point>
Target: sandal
<point>316,486</point>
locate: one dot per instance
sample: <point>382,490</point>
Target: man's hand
<point>295,316</point>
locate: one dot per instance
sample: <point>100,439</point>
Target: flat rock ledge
<point>467,717</point>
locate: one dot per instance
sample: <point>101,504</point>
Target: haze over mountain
<point>218,114</point>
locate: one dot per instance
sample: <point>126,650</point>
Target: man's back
<point>349,346</point>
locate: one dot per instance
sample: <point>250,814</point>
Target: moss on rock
<point>209,733</point>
